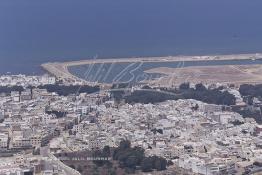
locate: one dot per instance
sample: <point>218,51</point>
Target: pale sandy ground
<point>237,74</point>
<point>60,70</point>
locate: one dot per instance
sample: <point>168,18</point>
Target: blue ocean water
<point>33,32</point>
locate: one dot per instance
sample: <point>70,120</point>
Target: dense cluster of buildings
<point>24,80</point>
<point>198,137</point>
<point>205,140</point>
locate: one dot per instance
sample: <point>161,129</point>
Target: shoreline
<point>60,69</point>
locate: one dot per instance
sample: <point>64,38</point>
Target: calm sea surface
<point>33,32</point>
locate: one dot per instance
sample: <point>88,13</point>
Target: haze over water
<point>33,32</point>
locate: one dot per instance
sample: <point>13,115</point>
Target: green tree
<point>184,86</point>
<point>160,163</point>
<point>106,151</point>
<point>147,164</point>
<point>124,144</point>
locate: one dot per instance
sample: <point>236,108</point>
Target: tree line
<point>9,89</point>
<point>59,89</point>
<point>68,90</point>
<point>200,92</point>
<point>251,90</point>
<point>131,158</point>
